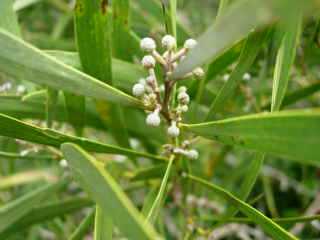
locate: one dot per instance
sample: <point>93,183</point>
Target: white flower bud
<point>183,108</point>
<point>182,89</point>
<point>191,199</point>
<point>173,130</point>
<point>193,154</point>
<point>148,61</point>
<point>148,44</point>
<point>190,43</point>
<point>153,119</point>
<point>183,98</point>
<point>226,77</point>
<point>138,90</point>
<point>169,42</point>
<point>63,163</point>
<point>198,72</point>
<point>150,80</point>
<point>246,76</point>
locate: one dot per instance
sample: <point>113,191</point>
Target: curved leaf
<point>290,134</point>
<point>17,56</point>
<point>100,185</point>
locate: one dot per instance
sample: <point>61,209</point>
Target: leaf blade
<point>103,188</point>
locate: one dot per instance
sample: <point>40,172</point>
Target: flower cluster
<point>164,100</point>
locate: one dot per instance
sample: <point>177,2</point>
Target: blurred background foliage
<point>284,188</point>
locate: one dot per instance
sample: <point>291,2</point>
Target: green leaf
<point>9,19</point>
<point>285,60</point>
<point>250,179</point>
<point>290,134</point>
<point>84,226</point>
<point>248,55</point>
<point>51,106</point>
<point>26,177</point>
<point>47,212</point>
<point>16,56</point>
<point>15,210</point>
<point>149,173</point>
<point>100,185</point>
<point>270,227</point>
<point>155,209</point>
<point>21,4</point>
<point>297,95</point>
<point>11,127</point>
<point>102,225</point>
<point>93,24</point>
<point>225,32</point>
<point>170,16</point>
<point>124,74</point>
<point>121,38</point>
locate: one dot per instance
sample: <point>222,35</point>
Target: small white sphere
<point>138,90</point>
<point>63,163</point>
<point>193,154</point>
<point>173,130</point>
<point>153,119</point>
<point>183,98</point>
<point>190,43</point>
<point>246,76</point>
<point>198,72</point>
<point>182,89</point>
<point>183,108</point>
<point>148,61</point>
<point>169,42</point>
<point>191,199</point>
<point>226,77</point>
<point>148,44</point>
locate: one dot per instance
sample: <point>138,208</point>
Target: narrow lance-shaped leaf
<point>47,212</point>
<point>14,128</point>
<point>124,74</point>
<point>8,19</point>
<point>18,208</point>
<point>290,134</point>
<point>285,59</point>
<point>121,39</point>
<point>225,33</point>
<point>248,55</point>
<point>270,227</point>
<point>155,209</point>
<point>84,227</point>
<point>17,56</point>
<point>100,185</point>
<point>249,180</point>
<point>93,24</point>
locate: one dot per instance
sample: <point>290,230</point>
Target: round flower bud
<point>138,90</point>
<point>153,119</point>
<point>193,154</point>
<point>246,76</point>
<point>148,61</point>
<point>198,72</point>
<point>190,43</point>
<point>183,108</point>
<point>63,163</point>
<point>148,44</point>
<point>182,89</point>
<point>150,80</point>
<point>183,98</point>
<point>173,130</point>
<point>169,42</point>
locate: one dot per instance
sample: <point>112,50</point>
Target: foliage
<point>215,136</point>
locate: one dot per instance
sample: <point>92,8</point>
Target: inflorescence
<point>163,100</point>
